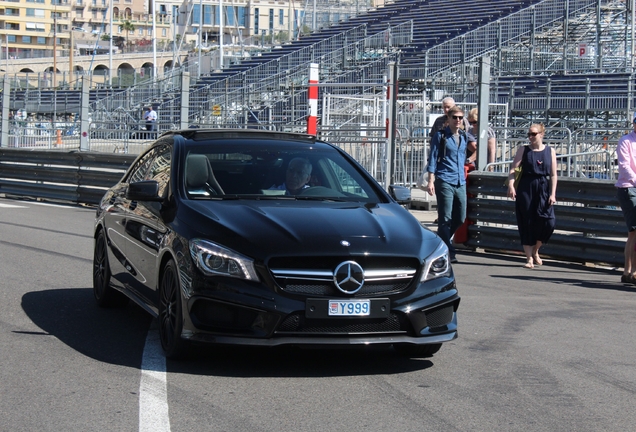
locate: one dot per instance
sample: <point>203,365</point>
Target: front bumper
<point>415,319</point>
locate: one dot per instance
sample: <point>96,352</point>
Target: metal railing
<point>589,223</point>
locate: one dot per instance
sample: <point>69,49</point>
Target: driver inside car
<point>297,176</point>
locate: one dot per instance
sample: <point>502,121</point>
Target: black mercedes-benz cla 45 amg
<point>266,238</point>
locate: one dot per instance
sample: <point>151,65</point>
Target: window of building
<point>26,39</point>
<point>11,38</point>
<point>41,40</point>
<point>271,21</point>
<point>241,15</point>
<point>164,33</point>
<point>256,13</point>
<point>196,14</point>
<point>149,32</point>
<point>207,15</point>
<point>230,16</point>
<point>281,17</point>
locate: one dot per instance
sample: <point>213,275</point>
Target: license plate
<point>353,308</point>
<point>349,308</point>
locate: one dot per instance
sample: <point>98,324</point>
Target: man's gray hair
<point>304,161</point>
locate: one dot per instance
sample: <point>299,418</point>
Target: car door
<point>115,219</point>
<point>145,229</point>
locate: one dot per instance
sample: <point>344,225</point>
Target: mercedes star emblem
<point>348,277</point>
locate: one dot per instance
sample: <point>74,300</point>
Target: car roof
<point>196,134</point>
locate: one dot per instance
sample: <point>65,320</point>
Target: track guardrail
<point>590,226</point>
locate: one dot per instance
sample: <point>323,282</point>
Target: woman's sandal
<point>529,265</point>
<point>538,261</point>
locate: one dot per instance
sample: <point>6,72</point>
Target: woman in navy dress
<point>535,195</point>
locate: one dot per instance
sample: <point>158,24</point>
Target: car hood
<point>265,228</point>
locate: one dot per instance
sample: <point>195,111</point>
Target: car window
<point>138,172</point>
<point>275,170</point>
<point>347,182</point>
<point>159,169</point>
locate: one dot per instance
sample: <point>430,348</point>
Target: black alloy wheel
<point>170,314</point>
<point>416,351</point>
<point>105,295</point>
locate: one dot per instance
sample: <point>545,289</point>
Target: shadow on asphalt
<point>542,273</point>
<point>118,335</point>
<point>295,362</point>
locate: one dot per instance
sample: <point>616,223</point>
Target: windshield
<point>243,169</point>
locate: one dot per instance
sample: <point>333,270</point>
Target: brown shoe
<point>628,279</point>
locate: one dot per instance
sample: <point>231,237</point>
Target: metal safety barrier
<point>589,222</point>
<point>77,177</point>
<point>590,226</point>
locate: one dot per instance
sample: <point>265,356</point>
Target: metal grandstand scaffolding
<point>318,14</point>
<point>566,63</point>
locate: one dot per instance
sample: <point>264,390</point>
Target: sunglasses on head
<point>458,117</point>
<point>531,134</point>
<point>473,122</point>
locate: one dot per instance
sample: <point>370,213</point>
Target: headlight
<point>213,259</point>
<point>437,264</point>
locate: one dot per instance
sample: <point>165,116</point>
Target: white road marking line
<point>153,388</point>
<point>11,206</point>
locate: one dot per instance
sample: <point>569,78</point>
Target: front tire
<point>416,351</point>
<point>105,295</point>
<point>170,313</point>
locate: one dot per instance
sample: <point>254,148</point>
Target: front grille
<point>440,317</point>
<point>367,289</point>
<point>298,324</point>
<point>313,276</point>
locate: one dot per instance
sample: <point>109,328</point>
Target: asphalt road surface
<point>549,349</point>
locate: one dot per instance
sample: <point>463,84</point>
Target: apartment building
<point>40,28</point>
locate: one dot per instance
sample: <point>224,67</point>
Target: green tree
<point>128,27</point>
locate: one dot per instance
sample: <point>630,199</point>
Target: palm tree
<point>128,27</point>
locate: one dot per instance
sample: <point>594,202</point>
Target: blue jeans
<point>451,210</point>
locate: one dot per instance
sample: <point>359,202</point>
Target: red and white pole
<point>312,118</point>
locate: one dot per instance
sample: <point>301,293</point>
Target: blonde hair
<point>539,126</point>
<point>473,114</point>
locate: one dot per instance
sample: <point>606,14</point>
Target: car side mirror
<point>400,193</point>
<point>146,190</point>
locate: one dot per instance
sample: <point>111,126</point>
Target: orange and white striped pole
<point>312,118</point>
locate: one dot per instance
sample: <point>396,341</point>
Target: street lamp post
<point>55,49</point>
<point>110,47</point>
<point>221,35</point>
<point>70,56</point>
<point>174,35</point>
<point>154,42</point>
<point>200,31</point>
